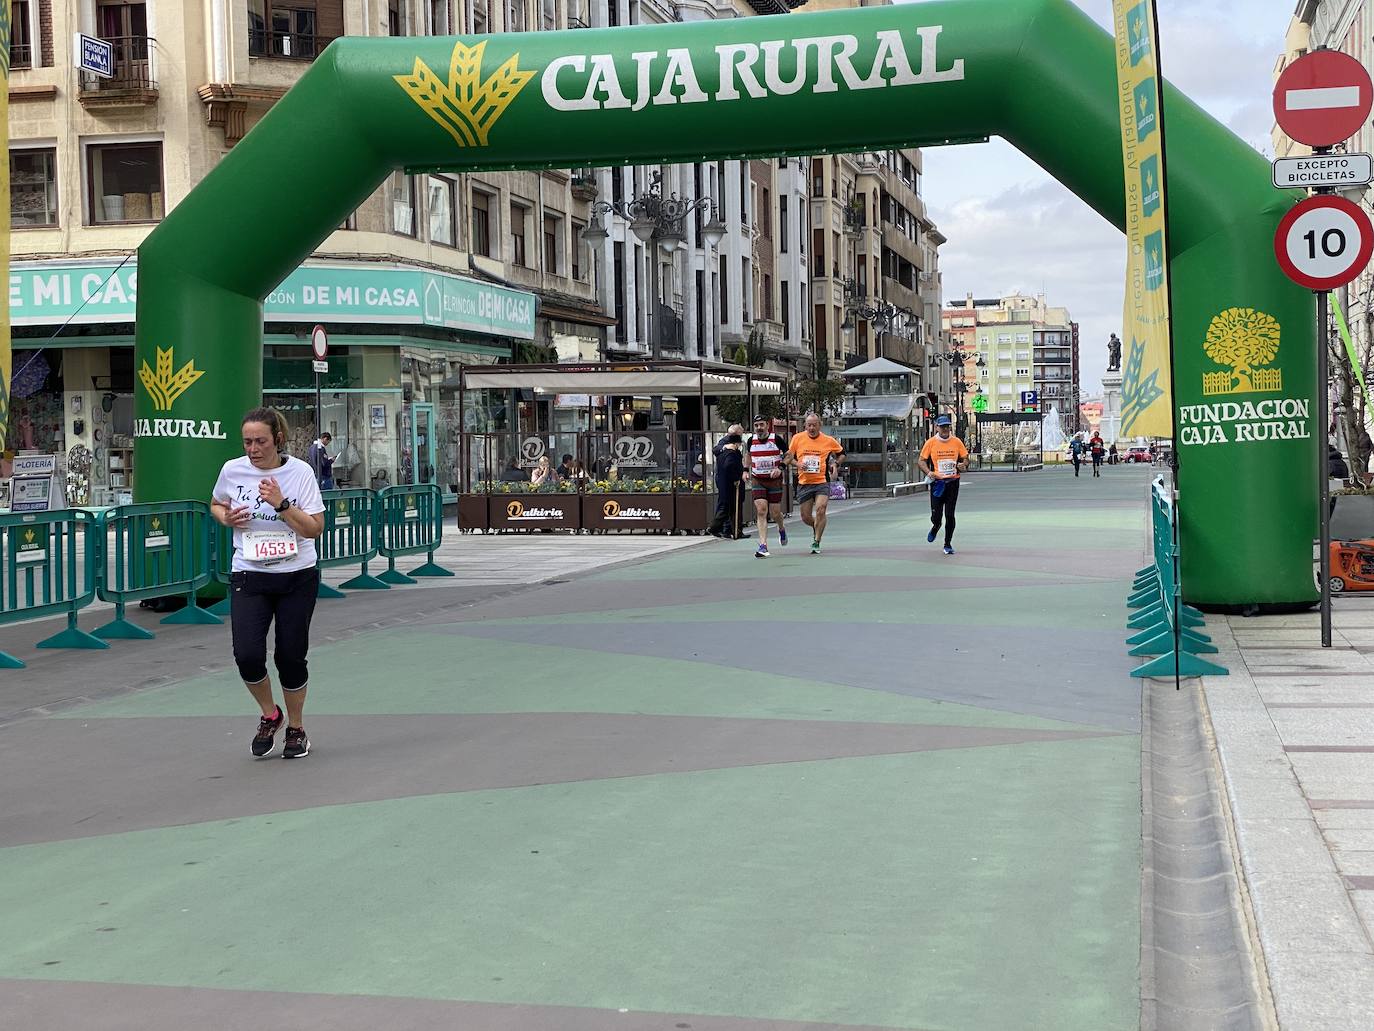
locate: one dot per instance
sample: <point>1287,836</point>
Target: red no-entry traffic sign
<point>1323,98</point>
<point>1324,242</point>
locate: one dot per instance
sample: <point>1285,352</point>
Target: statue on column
<point>1114,354</point>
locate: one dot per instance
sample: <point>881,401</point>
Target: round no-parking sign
<point>1324,242</point>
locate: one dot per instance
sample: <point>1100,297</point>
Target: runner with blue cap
<point>942,459</point>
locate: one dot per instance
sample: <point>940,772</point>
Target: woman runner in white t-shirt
<point>272,502</point>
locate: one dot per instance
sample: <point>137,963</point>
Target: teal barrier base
<point>364,581</point>
<point>326,591</point>
<point>395,576</point>
<point>1145,617</point>
<point>73,637</point>
<point>430,568</point>
<point>8,661</point>
<point>120,629</point>
<point>1188,666</point>
<point>219,608</point>
<point>1193,644</point>
<point>192,615</point>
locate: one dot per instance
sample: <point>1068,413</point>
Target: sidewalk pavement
<point>1294,731</point>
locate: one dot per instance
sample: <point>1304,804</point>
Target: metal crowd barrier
<point>410,521</point>
<point>48,566</point>
<point>157,550</point>
<point>1167,627</point>
<point>54,563</point>
<point>350,536</point>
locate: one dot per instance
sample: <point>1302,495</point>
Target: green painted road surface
<point>875,788</point>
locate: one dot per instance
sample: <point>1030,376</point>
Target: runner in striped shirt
<point>763,463</point>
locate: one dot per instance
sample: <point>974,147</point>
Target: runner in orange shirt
<point>944,457</point>
<point>812,452</point>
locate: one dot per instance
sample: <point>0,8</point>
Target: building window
<point>443,217</point>
<point>579,251</point>
<point>767,297</point>
<point>518,217</point>
<point>724,288</point>
<point>397,23</point>
<point>549,15</point>
<point>124,182</point>
<point>403,204</point>
<point>21,34</point>
<point>292,28</point>
<point>477,10</point>
<point>481,223</point>
<point>783,231</point>
<point>516,20</point>
<point>744,287</point>
<point>786,312</point>
<point>766,215</point>
<point>440,21</point>
<point>553,244</point>
<point>33,188</point>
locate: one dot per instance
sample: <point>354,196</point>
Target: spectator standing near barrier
<point>812,452</point>
<point>729,452</point>
<point>320,462</point>
<point>943,458</point>
<point>272,502</point>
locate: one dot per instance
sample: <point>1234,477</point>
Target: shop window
<point>443,220</point>
<point>481,223</point>
<point>553,244</point>
<point>33,188</point>
<point>297,29</point>
<point>402,188</point>
<point>21,34</point>
<point>519,216</point>
<point>124,182</point>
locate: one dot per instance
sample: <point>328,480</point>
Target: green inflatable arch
<point>1038,72</point>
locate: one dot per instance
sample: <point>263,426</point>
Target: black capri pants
<point>256,599</point>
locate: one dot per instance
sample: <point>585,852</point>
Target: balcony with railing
<point>21,56</point>
<point>294,46</point>
<point>134,83</point>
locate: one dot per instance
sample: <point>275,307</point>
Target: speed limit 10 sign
<point>1324,242</point>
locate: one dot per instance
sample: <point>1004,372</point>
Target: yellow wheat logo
<point>1245,339</point>
<point>157,523</point>
<point>163,386</point>
<point>28,536</point>
<point>466,107</point>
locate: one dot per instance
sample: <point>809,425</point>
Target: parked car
<point>1139,454</point>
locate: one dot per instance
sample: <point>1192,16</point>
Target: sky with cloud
<point>1012,228</point>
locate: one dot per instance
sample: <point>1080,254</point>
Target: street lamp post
<point>884,316</point>
<point>956,360</point>
<point>658,220</point>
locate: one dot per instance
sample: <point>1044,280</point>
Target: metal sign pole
<point>319,416</point>
<point>1324,465</point>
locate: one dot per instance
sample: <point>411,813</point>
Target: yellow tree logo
<point>163,386</point>
<point>1244,339</point>
<point>467,107</point>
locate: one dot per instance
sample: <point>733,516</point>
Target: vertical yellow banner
<point>1146,386</point>
<point>5,353</point>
